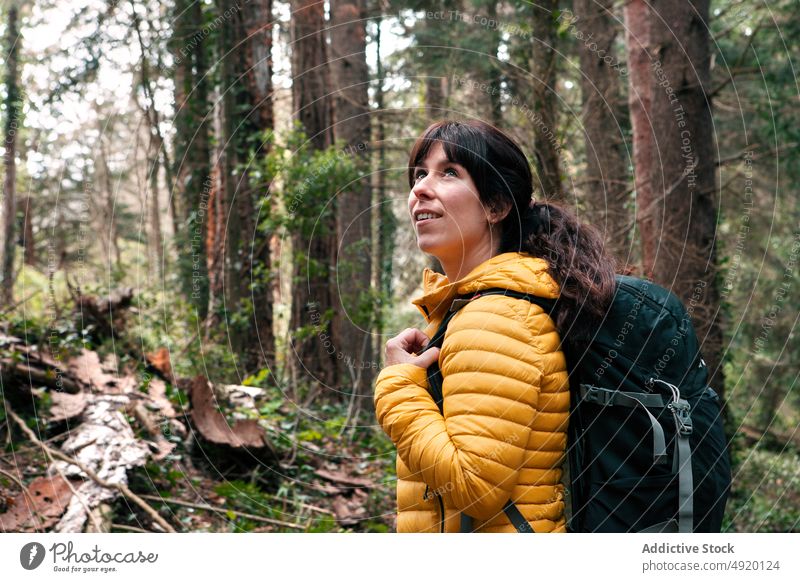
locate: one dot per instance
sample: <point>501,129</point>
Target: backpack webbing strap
<point>517,519</point>
<point>606,397</point>
<point>513,513</point>
<point>682,465</point>
<point>683,453</point>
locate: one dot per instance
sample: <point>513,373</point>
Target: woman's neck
<point>457,268</point>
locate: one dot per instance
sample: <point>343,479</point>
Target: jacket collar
<point>514,271</point>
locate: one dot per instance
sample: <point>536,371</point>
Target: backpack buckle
<point>595,395</point>
<point>683,418</point>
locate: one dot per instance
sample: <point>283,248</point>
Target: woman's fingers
<point>426,358</point>
<point>411,340</point>
<point>401,348</point>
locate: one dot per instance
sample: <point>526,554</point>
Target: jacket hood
<point>513,271</point>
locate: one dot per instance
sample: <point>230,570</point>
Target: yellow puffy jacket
<point>506,407</point>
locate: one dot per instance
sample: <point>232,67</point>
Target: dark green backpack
<point>646,447</point>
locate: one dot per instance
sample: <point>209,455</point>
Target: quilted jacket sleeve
<point>491,386</point>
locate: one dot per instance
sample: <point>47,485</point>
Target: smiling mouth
<point>426,217</point>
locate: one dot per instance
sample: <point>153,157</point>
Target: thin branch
<point>123,489</point>
<point>18,303</point>
<point>92,517</point>
<point>122,527</point>
<point>206,507</point>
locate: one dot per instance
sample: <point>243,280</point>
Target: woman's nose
<point>422,189</point>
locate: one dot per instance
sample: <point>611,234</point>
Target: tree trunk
<point>640,98</point>
<point>260,349</point>
<point>383,215</point>
<point>10,130</point>
<point>354,320</point>
<point>245,113</point>
<point>495,73</point>
<point>684,175</point>
<point>606,164</point>
<point>151,117</point>
<point>435,100</point>
<point>312,301</point>
<point>25,210</point>
<point>155,210</point>
<point>109,222</point>
<point>543,71</point>
<point>192,161</point>
<point>227,203</point>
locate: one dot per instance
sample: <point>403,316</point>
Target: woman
<point>502,434</point>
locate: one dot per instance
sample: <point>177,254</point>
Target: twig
<point>18,303</point>
<point>128,528</point>
<point>123,489</point>
<point>206,507</point>
<point>92,517</point>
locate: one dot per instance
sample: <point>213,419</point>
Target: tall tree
<point>314,239</point>
<point>543,71</point>
<point>11,128</point>
<point>684,172</point>
<point>245,117</point>
<point>354,319</point>
<point>147,105</point>
<point>606,163</point>
<point>192,184</point>
<point>259,109</point>
<point>383,219</point>
<point>640,98</point>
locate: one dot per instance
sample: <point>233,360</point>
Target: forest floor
<point>160,451</point>
<point>165,452</point>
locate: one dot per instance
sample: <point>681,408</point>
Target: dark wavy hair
<point>575,252</point>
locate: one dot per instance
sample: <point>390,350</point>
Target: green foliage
<point>306,182</point>
<point>765,494</point>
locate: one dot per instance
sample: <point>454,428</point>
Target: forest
<point>206,242</point>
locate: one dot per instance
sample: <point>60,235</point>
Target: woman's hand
<point>402,349</point>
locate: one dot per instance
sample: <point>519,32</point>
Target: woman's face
<point>449,219</point>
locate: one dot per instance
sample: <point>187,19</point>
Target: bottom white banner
<point>355,557</point>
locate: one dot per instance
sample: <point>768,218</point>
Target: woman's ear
<point>498,211</point>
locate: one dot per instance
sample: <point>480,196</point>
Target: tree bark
<point>606,164</point>
<point>640,98</point>
<point>258,23</point>
<point>354,320</point>
<point>495,72</point>
<point>10,130</point>
<point>150,113</point>
<point>109,222</point>
<point>684,174</point>
<point>314,254</point>
<point>384,221</point>
<point>192,160</point>
<point>543,70</point>
<point>24,209</point>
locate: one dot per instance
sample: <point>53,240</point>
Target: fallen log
<point>119,485</point>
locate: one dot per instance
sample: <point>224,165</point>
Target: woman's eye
<point>452,171</point>
<point>419,175</point>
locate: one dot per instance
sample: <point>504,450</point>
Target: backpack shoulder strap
<point>434,373</point>
<point>435,382</point>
